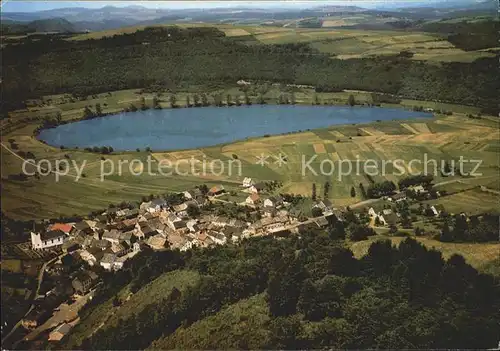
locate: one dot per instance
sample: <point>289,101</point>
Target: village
<point>78,251</point>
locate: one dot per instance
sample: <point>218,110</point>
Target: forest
<point>175,59</point>
<point>468,35</point>
<point>317,295</point>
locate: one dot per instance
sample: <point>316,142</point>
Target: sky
<point>32,6</point>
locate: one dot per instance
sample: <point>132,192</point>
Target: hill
<point>242,325</point>
<point>107,315</point>
<point>310,292</point>
<point>204,56</point>
<point>57,25</point>
<point>113,17</point>
<point>52,25</point>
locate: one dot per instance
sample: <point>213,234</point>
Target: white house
<point>118,264</point>
<point>192,225</point>
<point>257,188</point>
<point>248,182</point>
<point>180,208</point>
<point>388,219</point>
<point>192,194</point>
<point>108,260</point>
<point>156,205</point>
<point>371,212</point>
<point>273,201</point>
<point>401,196</point>
<point>217,237</point>
<point>136,247</point>
<point>323,204</point>
<point>419,189</point>
<point>46,240</point>
<point>113,236</point>
<point>92,255</point>
<point>220,221</point>
<point>243,82</point>
<point>438,209</point>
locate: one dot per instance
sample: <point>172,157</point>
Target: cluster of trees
<point>468,35</point>
<point>424,180</point>
<point>203,56</point>
<point>378,99</point>
<point>478,229</point>
<point>377,190</point>
<point>325,88</point>
<point>89,114</point>
<point>293,199</point>
<point>99,149</point>
<point>317,294</point>
<point>286,98</point>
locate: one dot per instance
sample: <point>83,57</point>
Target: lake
<point>187,128</point>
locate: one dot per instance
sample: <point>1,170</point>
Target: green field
<point>472,201</point>
<point>483,257</point>
<point>341,43</point>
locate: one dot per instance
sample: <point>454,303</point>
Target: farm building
<point>216,190</point>
<point>247,182</point>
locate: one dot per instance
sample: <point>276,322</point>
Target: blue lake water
<point>187,128</point>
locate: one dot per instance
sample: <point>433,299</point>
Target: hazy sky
<point>30,6</point>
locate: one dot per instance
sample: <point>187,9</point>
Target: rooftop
<point>65,227</point>
<point>52,234</point>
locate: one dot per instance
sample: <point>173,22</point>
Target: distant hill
<point>59,25</point>
<point>52,25</point>
<point>112,17</point>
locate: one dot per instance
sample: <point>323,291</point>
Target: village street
<point>65,313</point>
<point>34,295</point>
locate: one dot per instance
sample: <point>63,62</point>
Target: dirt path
<point>364,203</point>
<point>65,313</point>
<point>463,180</point>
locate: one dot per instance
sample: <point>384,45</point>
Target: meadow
<point>338,42</point>
<point>482,256</point>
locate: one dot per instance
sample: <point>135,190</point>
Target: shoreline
<point>424,115</point>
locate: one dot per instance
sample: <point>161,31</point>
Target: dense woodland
<point>173,58</point>
<point>317,296</point>
<point>468,35</point>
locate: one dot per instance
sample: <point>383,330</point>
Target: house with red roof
<point>253,199</point>
<point>64,227</point>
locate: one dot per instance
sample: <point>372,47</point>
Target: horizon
<point>37,6</point>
